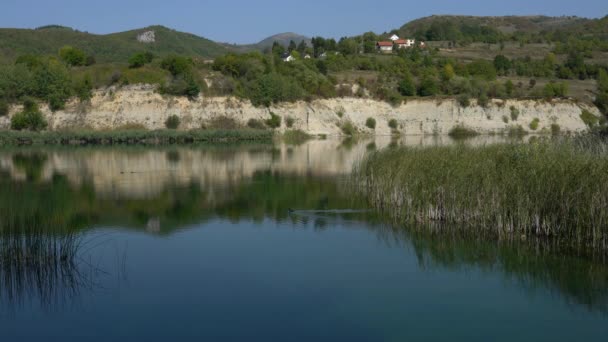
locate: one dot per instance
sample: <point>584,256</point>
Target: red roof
<point>400,41</point>
<point>385,43</point>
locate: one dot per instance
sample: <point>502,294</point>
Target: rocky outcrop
<point>141,105</point>
<point>147,37</point>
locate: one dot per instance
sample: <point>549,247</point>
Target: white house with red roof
<point>385,47</point>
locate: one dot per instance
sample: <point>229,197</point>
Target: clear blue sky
<point>247,21</point>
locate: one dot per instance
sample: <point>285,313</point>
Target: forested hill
<point>116,47</point>
<point>494,29</point>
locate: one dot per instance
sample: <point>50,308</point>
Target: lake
<point>260,243</point>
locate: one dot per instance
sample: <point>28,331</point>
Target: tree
<point>277,49</point>
<point>30,118</point>
<point>447,73</point>
<point>72,56</point>
<point>428,87</point>
<point>483,69</point>
<point>302,46</point>
<point>292,46</point>
<point>502,64</point>
<point>348,46</point>
<point>177,65</point>
<point>140,59</point>
<point>407,86</point>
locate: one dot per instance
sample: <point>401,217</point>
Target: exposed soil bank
<point>140,105</point>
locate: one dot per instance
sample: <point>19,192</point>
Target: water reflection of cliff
<point>48,196</point>
<point>134,172</point>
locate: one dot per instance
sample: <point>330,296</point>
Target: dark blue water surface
<point>243,244</point>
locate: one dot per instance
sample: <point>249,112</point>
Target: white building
<point>395,37</point>
<point>384,47</point>
<point>405,43</point>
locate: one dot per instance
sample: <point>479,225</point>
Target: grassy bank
<point>547,189</point>
<point>132,137</point>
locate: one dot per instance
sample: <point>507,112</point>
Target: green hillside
<point>493,29</point>
<point>116,47</point>
<point>282,38</point>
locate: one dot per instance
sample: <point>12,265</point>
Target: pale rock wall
<point>141,105</point>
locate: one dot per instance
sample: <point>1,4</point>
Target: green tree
<point>73,56</point>
<point>502,64</point>
<point>292,46</point>
<point>140,59</point>
<point>30,118</point>
<point>428,87</point>
<point>177,65</point>
<point>407,87</point>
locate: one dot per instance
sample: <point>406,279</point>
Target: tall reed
<point>544,188</point>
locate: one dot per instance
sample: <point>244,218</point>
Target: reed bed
<point>132,137</point>
<point>556,189</point>
<point>38,264</point>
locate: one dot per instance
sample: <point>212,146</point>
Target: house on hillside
<point>405,43</point>
<point>287,57</point>
<point>307,56</point>
<point>385,47</point>
<point>394,37</point>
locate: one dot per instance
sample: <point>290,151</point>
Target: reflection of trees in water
<point>535,265</point>
<point>44,264</point>
<point>31,164</point>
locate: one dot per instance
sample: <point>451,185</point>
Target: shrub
<point>30,118</point>
<point>534,124</point>
<point>462,132</point>
<point>3,107</point>
<point>172,122</point>
<point>295,137</point>
<point>463,100</point>
<point>553,89</point>
<point>348,128</point>
<point>183,85</point>
<point>370,123</point>
<point>393,124</point>
<point>428,87</point>
<point>73,56</point>
<point>483,100</point>
<point>407,87</point>
<point>516,131</point>
<point>177,65</point>
<point>555,129</point>
<point>514,113</point>
<point>274,121</point>
<point>138,60</point>
<point>505,119</point>
<point>340,112</point>
<point>224,123</point>
<point>589,119</point>
<point>255,124</point>
<point>84,89</point>
<point>289,122</point>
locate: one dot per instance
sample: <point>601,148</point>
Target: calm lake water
<point>259,243</point>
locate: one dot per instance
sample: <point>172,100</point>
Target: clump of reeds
<point>556,189</point>
<point>35,262</point>
<point>132,137</point>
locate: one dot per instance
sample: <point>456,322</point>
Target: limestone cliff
<point>140,105</point>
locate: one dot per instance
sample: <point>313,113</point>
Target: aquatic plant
<point>132,137</point>
<point>548,189</point>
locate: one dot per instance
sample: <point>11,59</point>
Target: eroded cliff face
<point>140,105</point>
